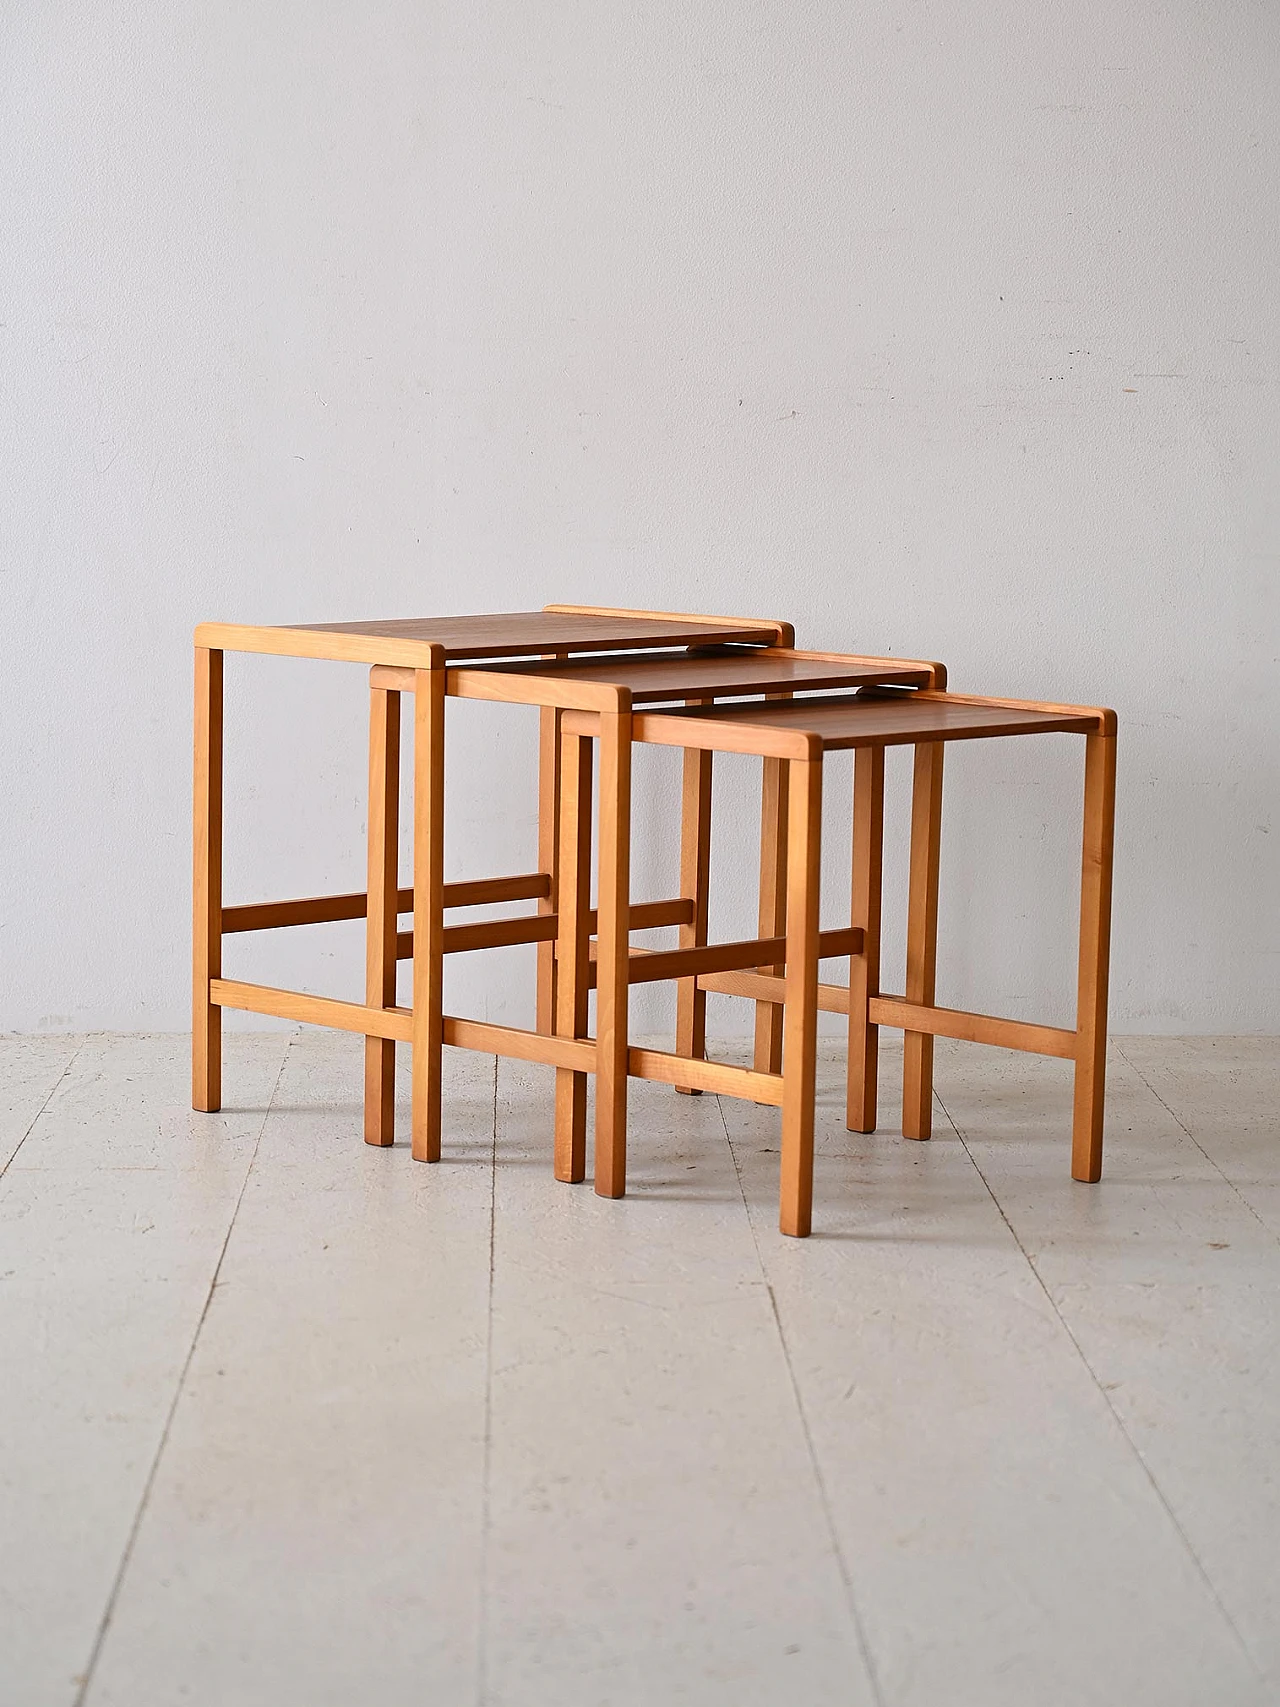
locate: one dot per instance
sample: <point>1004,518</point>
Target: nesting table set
<point>609,679</point>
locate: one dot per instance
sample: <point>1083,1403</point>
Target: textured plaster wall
<point>942,330</point>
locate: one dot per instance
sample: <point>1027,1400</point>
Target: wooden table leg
<point>548,855</point>
<point>428,908</point>
<point>206,936</point>
<point>382,916</point>
<point>773,904</point>
<point>695,876</point>
<point>804,864</point>
<point>613,952</point>
<point>864,968</point>
<point>922,936</point>
<point>572,951</point>
<point>1095,956</point>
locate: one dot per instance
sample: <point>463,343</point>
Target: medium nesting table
<point>608,689</point>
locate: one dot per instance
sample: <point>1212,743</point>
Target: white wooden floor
<point>289,1421</point>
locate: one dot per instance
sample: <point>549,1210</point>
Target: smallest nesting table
<point>801,733</point>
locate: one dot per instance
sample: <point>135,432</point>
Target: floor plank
<point>30,1068</point>
<point>1003,1537</point>
<point>1165,1278</point>
<point>657,1532</point>
<point>112,1217</point>
<point>464,1434</point>
<point>1225,1093</point>
<point>314,1532</point>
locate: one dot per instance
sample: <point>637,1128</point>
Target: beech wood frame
<point>572,714</point>
<point>422,667</point>
<point>797,990</point>
<point>560,927</point>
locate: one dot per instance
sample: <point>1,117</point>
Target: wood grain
<point>486,933</point>
<point>800,1038</point>
<point>613,955</point>
<point>511,1042</point>
<point>539,928</point>
<point>756,986</point>
<point>548,857</point>
<point>668,729</point>
<point>206,883</point>
<point>327,909</point>
<point>572,988</point>
<point>649,915</point>
<point>652,965</point>
<point>1094,957</point>
<point>723,672</point>
<point>713,1076</point>
<point>695,880</point>
<point>1099,718</point>
<point>411,642</point>
<point>381,911</point>
<point>314,1010</point>
<point>780,633</point>
<point>486,891</point>
<point>911,1016</point>
<point>772,907</point>
<point>864,913</point>
<point>873,717</point>
<point>914,1017</point>
<point>922,936</point>
<point>428,909</point>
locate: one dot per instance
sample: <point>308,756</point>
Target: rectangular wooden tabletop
<point>894,718</point>
<point>501,634</point>
<point>725,672</point>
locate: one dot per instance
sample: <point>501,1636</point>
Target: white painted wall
<point>943,330</point>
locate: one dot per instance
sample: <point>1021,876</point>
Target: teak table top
<point>805,728</point>
<point>501,634</point>
<point>728,670</point>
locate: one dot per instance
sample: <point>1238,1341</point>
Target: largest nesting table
<point>425,647</point>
